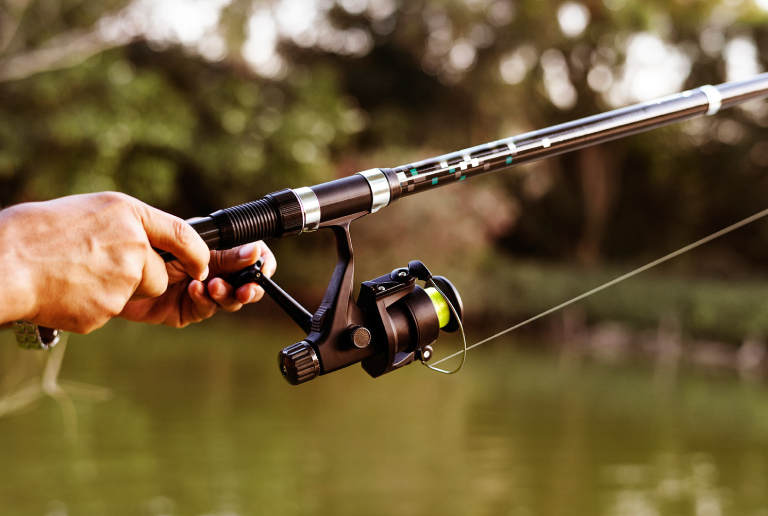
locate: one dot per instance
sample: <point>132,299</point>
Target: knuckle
<point>218,260</point>
<point>120,199</point>
<point>155,284</point>
<point>146,247</point>
<point>156,288</point>
<point>109,196</point>
<point>181,232</point>
<point>113,309</point>
<point>162,286</point>
<point>132,272</point>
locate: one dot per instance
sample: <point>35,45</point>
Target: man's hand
<point>74,263</point>
<point>188,300</point>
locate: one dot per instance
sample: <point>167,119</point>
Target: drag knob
<point>299,363</point>
<point>359,336</point>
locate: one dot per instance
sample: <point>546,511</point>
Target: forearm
<point>16,278</point>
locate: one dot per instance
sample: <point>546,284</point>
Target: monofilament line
<point>616,281</point>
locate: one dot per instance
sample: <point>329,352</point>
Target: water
<point>201,423</point>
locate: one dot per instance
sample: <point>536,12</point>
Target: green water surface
<point>201,423</point>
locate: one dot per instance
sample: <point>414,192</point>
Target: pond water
<point>201,423</point>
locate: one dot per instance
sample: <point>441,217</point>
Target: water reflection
<point>204,425</point>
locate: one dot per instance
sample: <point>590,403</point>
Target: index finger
<point>270,264</point>
<point>172,234</point>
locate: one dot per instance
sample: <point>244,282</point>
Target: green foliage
<point>190,135</point>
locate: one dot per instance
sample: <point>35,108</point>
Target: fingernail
<point>206,272</point>
<point>218,289</point>
<point>247,251</point>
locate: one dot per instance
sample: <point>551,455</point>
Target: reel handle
<point>253,274</point>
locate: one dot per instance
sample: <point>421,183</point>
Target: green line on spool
<point>441,306</point>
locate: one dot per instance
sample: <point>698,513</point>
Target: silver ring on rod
<point>379,185</point>
<point>714,97</point>
<point>310,208</point>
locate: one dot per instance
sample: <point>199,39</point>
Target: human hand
<point>73,263</point>
<point>188,300</point>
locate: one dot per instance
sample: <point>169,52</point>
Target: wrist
<point>17,286</point>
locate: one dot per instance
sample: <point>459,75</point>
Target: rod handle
<point>243,224</point>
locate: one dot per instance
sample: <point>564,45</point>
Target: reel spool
<point>393,322</point>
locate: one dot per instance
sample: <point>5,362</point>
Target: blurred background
<point>649,398</point>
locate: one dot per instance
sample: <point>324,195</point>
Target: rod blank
<point>593,130</point>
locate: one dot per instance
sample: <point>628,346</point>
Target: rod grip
<point>236,226</point>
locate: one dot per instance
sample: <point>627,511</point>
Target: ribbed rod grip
<point>249,222</point>
<point>236,226</point>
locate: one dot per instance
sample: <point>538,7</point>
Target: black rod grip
<point>236,226</point>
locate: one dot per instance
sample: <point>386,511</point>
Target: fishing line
<point>611,283</point>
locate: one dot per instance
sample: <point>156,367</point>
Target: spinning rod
<point>395,321</point>
<point>293,211</point>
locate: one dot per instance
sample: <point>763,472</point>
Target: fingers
<point>270,263</point>
<point>223,293</point>
<point>154,279</point>
<point>172,234</point>
<point>249,293</point>
<point>202,306</point>
<point>234,260</point>
<point>230,299</point>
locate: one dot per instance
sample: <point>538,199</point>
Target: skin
<point>75,263</point>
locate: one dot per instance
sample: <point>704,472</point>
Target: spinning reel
<point>393,322</point>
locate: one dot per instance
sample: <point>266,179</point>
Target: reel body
<point>393,322</point>
<point>405,317</point>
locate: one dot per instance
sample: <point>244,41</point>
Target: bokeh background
<point>646,399</point>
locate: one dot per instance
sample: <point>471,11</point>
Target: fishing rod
<point>394,321</point>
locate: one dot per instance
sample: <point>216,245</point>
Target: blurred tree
<point>196,105</point>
